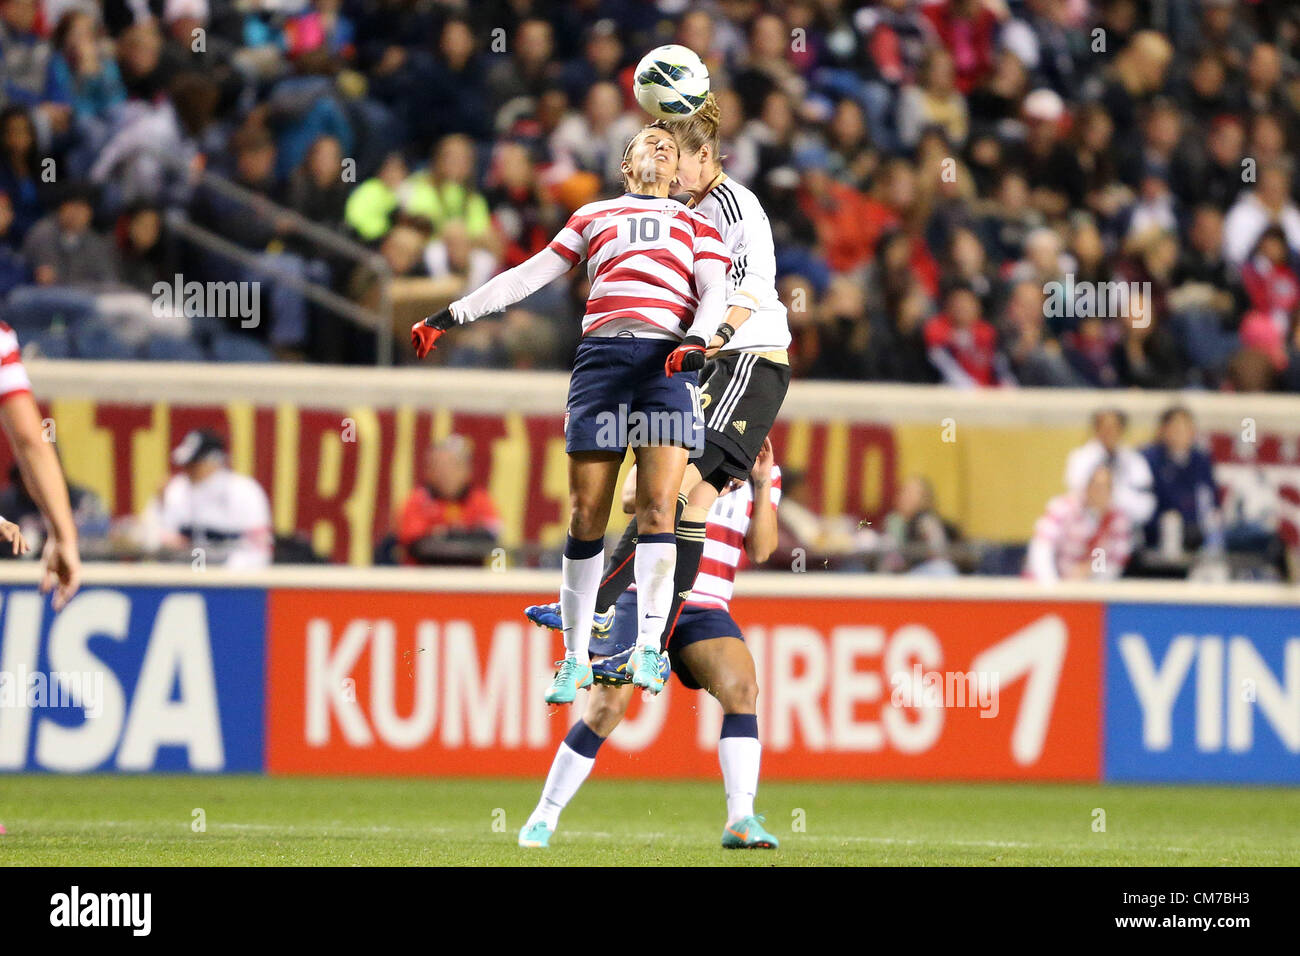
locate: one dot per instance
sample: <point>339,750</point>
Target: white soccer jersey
<point>724,544</point>
<point>226,511</point>
<point>13,377</point>
<point>641,253</point>
<point>739,218</point>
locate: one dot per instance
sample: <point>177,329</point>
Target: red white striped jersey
<point>13,377</point>
<point>641,253</point>
<point>1069,533</point>
<point>724,544</point>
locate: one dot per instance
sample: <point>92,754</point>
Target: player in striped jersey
<point>745,384</point>
<point>658,289</point>
<point>42,474</point>
<point>707,652</point>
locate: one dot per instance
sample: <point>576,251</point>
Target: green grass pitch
<point>152,820</point>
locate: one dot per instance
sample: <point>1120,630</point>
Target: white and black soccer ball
<point>671,82</point>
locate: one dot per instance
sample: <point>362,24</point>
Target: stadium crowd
<point>930,167</point>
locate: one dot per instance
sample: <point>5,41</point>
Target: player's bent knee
<point>738,694</point>
<point>585,523</point>
<point>657,517</point>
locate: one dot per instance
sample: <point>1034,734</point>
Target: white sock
<point>739,759</point>
<point>656,560</point>
<point>580,580</point>
<point>568,771</point>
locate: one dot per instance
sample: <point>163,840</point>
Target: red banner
<point>451,685</point>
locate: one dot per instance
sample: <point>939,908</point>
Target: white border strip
<point>468,390</point>
<point>750,584</point>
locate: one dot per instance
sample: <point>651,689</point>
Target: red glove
<point>687,357</point>
<point>426,332</point>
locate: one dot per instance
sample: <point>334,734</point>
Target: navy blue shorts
<point>694,625</point>
<point>620,398</point>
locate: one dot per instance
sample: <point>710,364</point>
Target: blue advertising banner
<point>133,679</point>
<point>1202,693</point>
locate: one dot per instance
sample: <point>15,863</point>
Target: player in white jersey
<point>207,505</point>
<point>707,652</point>
<point>42,474</point>
<point>745,383</point>
<point>658,292</point>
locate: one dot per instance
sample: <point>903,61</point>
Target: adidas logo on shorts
<point>739,425</point>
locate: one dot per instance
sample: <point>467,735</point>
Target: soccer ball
<point>671,82</point>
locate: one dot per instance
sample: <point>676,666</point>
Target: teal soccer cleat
<point>569,679</point>
<point>535,837</point>
<point>748,834</point>
<point>616,669</point>
<point>646,666</point>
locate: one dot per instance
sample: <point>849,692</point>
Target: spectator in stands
<point>916,539</point>
<point>1147,355</point>
<point>208,512</point>
<point>1091,350</point>
<point>969,30</point>
<point>317,190</point>
<point>810,539</point>
<point>261,231</point>
<point>13,268</point>
<point>934,101</point>
<point>1083,535</point>
<point>905,354</point>
<point>370,207</point>
<point>454,256</point>
<point>25,60</point>
<point>80,75</point>
<point>446,190</point>
<point>1051,166</point>
<point>1186,515</point>
<point>1220,176</point>
<point>144,73</point>
<point>151,149</point>
<point>1034,357</point>
<point>1257,209</point>
<point>1008,218</point>
<point>962,346</point>
<point>143,253</point>
<point>63,249</point>
<point>852,159</point>
<point>1131,481</point>
<point>601,61</point>
<point>1270,281</point>
<point>448,519</point>
<point>18,506</point>
<point>528,67</point>
<point>593,141</point>
<point>522,212</point>
<point>1137,73</point>
<point>20,169</point>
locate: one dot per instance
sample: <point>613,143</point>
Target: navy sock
<point>577,549</point>
<point>585,741</point>
<point>739,725</point>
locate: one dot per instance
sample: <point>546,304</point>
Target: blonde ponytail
<point>698,130</point>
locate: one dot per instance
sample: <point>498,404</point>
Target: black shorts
<point>740,395</point>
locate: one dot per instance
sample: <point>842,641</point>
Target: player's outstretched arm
<point>499,292</point>
<point>763,533</point>
<point>43,477</point>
